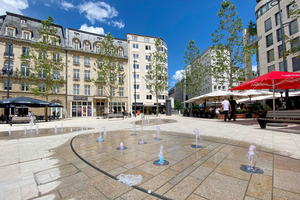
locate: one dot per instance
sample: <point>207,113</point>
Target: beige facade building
<point>80,96</point>
<point>139,49</point>
<point>269,39</point>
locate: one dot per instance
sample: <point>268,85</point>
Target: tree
<point>194,72</point>
<point>177,105</point>
<point>294,13</point>
<point>45,61</point>
<point>228,49</point>
<point>110,74</point>
<point>157,76</point>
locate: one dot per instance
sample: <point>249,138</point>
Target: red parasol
<point>273,80</point>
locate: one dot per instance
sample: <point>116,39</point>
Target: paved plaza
<point>70,164</point>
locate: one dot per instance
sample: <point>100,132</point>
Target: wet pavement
<point>74,166</point>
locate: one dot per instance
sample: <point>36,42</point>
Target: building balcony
<point>87,64</point>
<point>6,54</point>
<point>76,63</point>
<point>76,78</point>
<point>87,79</point>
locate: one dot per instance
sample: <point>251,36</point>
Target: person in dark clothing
<point>233,106</point>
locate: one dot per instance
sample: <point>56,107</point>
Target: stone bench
<point>281,116</point>
<point>117,115</point>
<point>15,120</point>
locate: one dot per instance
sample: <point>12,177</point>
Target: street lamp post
<point>273,3</point>
<point>134,78</point>
<point>8,73</point>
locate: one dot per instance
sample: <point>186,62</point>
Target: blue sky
<point>176,22</point>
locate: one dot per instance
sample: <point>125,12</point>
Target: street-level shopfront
<point>81,107</point>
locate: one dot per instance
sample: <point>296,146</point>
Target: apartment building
<point>139,49</point>
<point>80,96</point>
<point>17,34</point>
<point>269,37</point>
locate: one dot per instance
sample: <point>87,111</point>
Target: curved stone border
<point>111,176</point>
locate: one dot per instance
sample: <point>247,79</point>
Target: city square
<point>75,166</point>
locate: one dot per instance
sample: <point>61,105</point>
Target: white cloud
<point>99,11</point>
<point>254,68</point>
<point>46,4</point>
<point>66,5</point>
<point>178,75</point>
<point>33,2</point>
<point>98,30</point>
<point>117,24</point>
<point>14,6</point>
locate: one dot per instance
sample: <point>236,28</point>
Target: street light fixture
<point>8,73</point>
<point>274,3</point>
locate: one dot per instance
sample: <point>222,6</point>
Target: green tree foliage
<point>194,72</point>
<point>157,76</point>
<point>110,75</point>
<point>228,50</point>
<point>177,104</point>
<point>45,61</point>
<point>252,28</point>
<point>294,13</point>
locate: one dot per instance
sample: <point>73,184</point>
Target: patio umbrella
<point>217,95</point>
<point>273,80</point>
<point>255,93</point>
<point>26,101</point>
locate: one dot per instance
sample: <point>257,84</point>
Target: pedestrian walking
<point>233,107</point>
<point>225,108</point>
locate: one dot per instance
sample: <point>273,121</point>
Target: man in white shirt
<point>226,108</point>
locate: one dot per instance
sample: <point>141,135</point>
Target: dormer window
<point>120,52</point>
<point>76,45</point>
<point>10,32</point>
<point>23,21</point>
<point>87,46</point>
<point>97,49</point>
<point>26,36</point>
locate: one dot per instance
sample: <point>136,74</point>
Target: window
<point>223,87</point>
<point>136,86</point>
<point>100,90</point>
<point>135,46</point>
<point>136,66</point>
<point>76,73</point>
<point>87,75</point>
<point>76,45</point>
<point>76,89</point>
<point>280,51</point>
<point>76,59</point>
<point>293,27</point>
<point>9,48</point>
<point>42,55</point>
<point>121,92</point>
<point>279,35</point>
<point>136,96</point>
<point>148,87</point>
<point>269,40</point>
<point>147,77</point>
<point>87,47</point>
<point>56,74</point>
<point>41,73</point>
<point>147,47</point>
<point>148,67</point>
<point>121,78</point>
<point>24,86</point>
<point>87,61</point>
<point>149,97</point>
<point>120,52</point>
<point>25,69</point>
<point>112,91</point>
<point>135,56</point>
<point>23,21</point>
<point>277,18</point>
<point>97,49</point>
<point>289,8</point>
<point>56,88</point>
<point>121,66</point>
<point>87,90</point>
<point>148,57</point>
<point>268,25</point>
<point>134,38</point>
<point>10,32</point>
<point>136,76</point>
<point>264,9</point>
<point>215,87</point>
<point>271,68</point>
<point>295,45</point>
<point>270,55</point>
<point>282,68</point>
<point>161,97</point>
<point>146,39</point>
<point>10,85</point>
<point>42,87</point>
<point>296,64</point>
<point>26,35</point>
<point>56,57</point>
<point>219,87</point>
<point>25,52</point>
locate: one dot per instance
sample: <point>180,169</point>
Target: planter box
<point>237,116</point>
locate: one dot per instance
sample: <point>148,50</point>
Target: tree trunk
<point>46,111</point>
<point>156,105</point>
